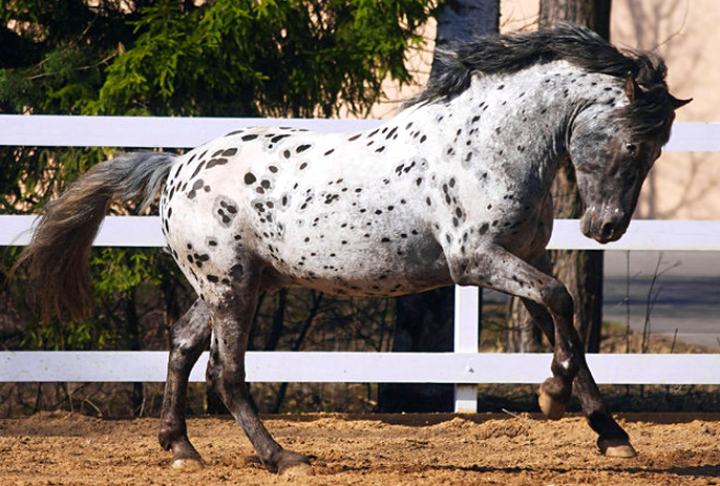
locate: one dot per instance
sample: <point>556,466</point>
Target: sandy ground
<point>66,449</point>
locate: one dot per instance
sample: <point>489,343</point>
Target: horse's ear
<point>632,90</point>
<point>676,103</point>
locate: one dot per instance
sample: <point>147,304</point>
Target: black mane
<point>650,115</point>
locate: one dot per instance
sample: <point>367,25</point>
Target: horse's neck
<point>518,119</point>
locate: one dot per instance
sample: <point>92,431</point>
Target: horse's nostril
<point>607,230</point>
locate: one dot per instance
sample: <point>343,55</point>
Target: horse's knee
<point>185,353</point>
<point>189,336</point>
<point>558,300</point>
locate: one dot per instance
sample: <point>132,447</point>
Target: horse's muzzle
<point>603,229</point>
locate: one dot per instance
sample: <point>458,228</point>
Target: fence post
<point>466,341</point>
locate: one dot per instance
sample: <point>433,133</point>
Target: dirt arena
<point>66,449</point>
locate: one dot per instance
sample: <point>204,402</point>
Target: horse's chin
<point>597,230</point>
<point>603,240</point>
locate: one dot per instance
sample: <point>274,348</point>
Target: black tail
<point>60,247</point>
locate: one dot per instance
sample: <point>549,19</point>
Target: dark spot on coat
<point>213,162</point>
<point>198,169</point>
<point>250,178</point>
<point>277,138</point>
<point>248,138</point>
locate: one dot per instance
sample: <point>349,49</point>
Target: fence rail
<point>170,132</point>
<point>643,235</point>
<point>349,367</point>
<point>464,366</point>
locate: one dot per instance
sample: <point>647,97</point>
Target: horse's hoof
<point>187,465</point>
<point>292,464</point>
<point>617,448</point>
<point>550,407</point>
<point>623,451</point>
<point>297,470</point>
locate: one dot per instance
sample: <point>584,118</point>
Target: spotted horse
<point>454,190</point>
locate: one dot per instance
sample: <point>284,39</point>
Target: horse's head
<point>613,149</point>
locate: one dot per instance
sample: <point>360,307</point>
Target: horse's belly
<point>364,268</point>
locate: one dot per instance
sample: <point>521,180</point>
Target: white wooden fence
<point>463,367</point>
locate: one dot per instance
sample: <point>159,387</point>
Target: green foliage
<point>241,58</point>
<point>57,336</point>
<point>169,57</point>
<point>123,270</point>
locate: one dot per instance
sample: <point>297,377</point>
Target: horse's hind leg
<point>232,310</point>
<point>189,337</point>
<point>612,440</point>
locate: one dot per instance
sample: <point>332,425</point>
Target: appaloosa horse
<point>454,190</point>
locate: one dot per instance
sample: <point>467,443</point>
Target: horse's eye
<point>631,148</point>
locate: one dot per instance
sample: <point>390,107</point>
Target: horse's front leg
<point>189,337</point>
<point>496,268</point>
<point>612,440</point>
<point>232,314</point>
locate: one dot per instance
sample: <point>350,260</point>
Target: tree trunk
<point>594,14</point>
<point>580,271</point>
<point>425,321</point>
